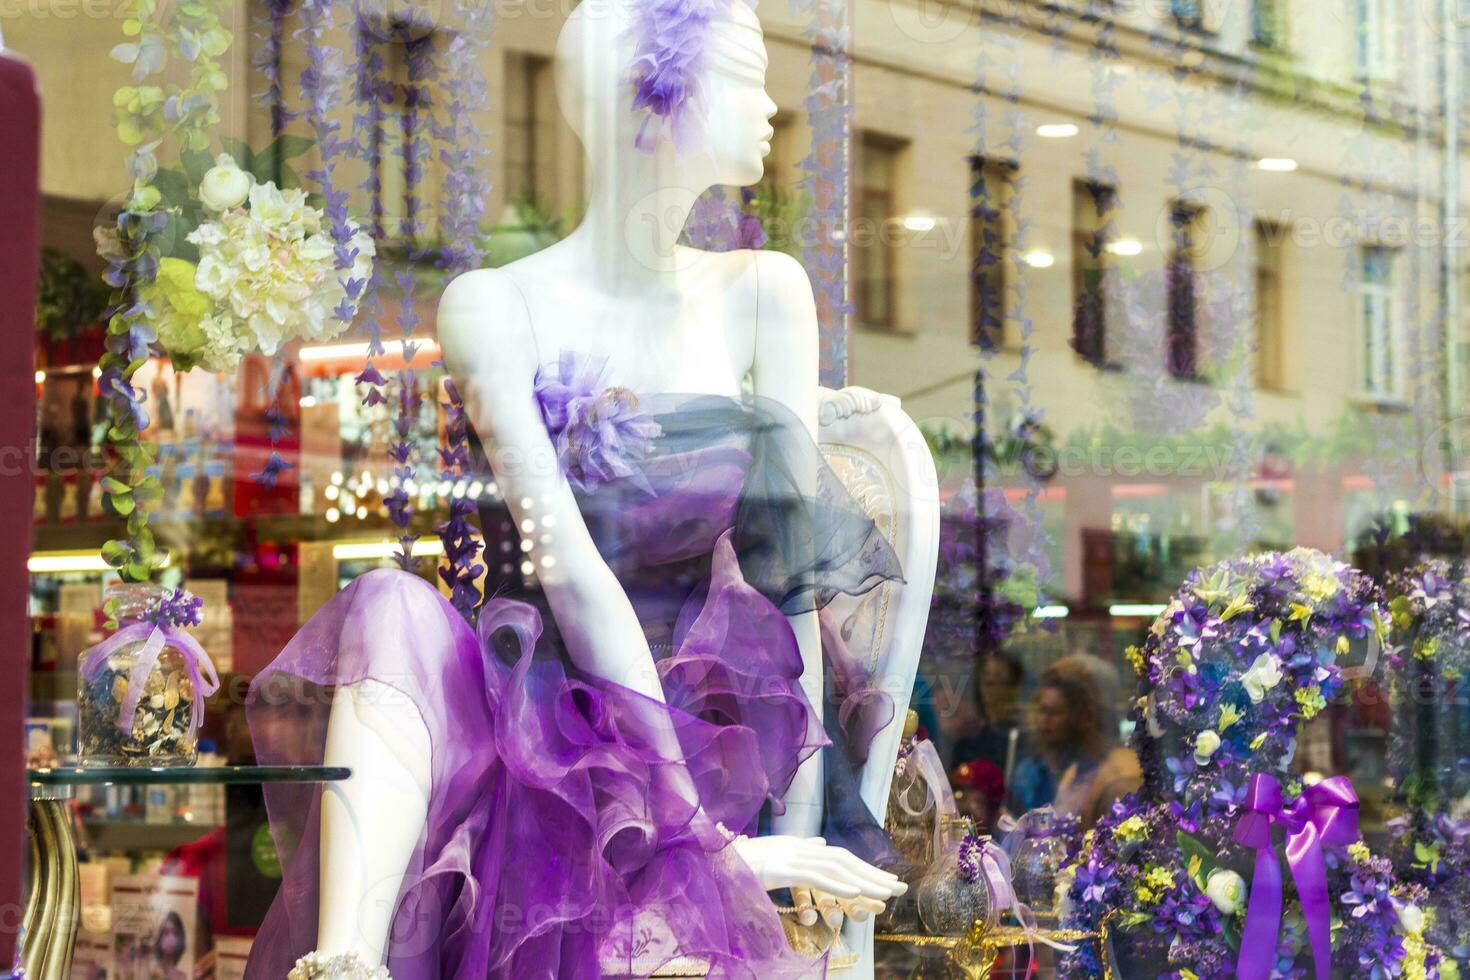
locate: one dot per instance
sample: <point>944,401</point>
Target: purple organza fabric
<point>557,843</point>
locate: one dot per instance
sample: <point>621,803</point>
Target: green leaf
<point>196,164</point>
<point>111,484</point>
<point>137,522</point>
<point>135,572</point>
<point>115,553</point>
<point>122,504</point>
<point>173,185</point>
<point>287,147</point>
<point>1191,847</point>
<point>1232,933</point>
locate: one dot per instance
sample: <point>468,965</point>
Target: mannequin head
<point>727,127</point>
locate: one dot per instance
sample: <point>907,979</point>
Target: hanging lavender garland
<point>374,91</point>
<point>270,31</point>
<point>825,170</point>
<point>466,189</point>
<point>147,116</point>
<point>985,513</point>
<point>322,84</point>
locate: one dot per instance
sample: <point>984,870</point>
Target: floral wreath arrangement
<point>1187,873</point>
<point>249,266</point>
<point>207,262</point>
<point>1428,663</point>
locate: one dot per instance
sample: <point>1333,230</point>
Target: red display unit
<point>20,108</point>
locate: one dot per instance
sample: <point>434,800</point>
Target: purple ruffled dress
<point>557,844</point>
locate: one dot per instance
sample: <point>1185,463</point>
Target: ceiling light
<point>367,550</point>
<point>1277,165</point>
<point>1126,246</point>
<point>61,562</point>
<point>1057,131</point>
<point>333,352</point>
<point>1039,258</point>
<point>1141,609</point>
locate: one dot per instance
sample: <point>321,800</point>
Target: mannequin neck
<point>637,210</point>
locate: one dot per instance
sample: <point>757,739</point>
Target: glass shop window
<point>399,141</point>
<point>873,243</point>
<point>1381,360</point>
<point>1270,345</point>
<point>1376,30</point>
<point>1181,280</point>
<point>1093,247</point>
<point>992,183</point>
<point>1268,24</point>
<point>531,156</point>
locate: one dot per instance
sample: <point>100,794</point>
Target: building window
<point>1188,14</point>
<point>530,129</point>
<point>875,217</point>
<point>398,145</point>
<point>1092,230</point>
<point>1380,366</point>
<point>1181,277</point>
<point>1268,24</point>
<point>1270,346</point>
<point>1375,30</point>
<point>991,184</point>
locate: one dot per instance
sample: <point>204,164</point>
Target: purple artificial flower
<point>673,38</point>
<point>600,431</point>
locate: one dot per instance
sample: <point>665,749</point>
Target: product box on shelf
<point>155,927</point>
<point>230,956</point>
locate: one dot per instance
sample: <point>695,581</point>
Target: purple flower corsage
<point>600,431</point>
<point>673,37</point>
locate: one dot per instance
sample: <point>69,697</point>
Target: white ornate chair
<point>883,461</point>
<point>886,465</point>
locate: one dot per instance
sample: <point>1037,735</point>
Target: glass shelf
<point>203,775</point>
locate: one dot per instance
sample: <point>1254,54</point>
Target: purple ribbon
<point>1326,813</point>
<point>154,637</point>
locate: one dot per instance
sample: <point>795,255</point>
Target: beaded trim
<point>342,966</point>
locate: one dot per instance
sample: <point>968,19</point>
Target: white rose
<point>1263,675</point>
<point>1411,918</point>
<point>1151,718</point>
<point>1206,744</point>
<point>224,185</point>
<point>1226,889</point>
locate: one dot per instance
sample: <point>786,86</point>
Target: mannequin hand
<point>812,903</point>
<point>808,863</point>
<point>852,400</point>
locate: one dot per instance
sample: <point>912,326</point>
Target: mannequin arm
<point>489,350</point>
<point>785,370</point>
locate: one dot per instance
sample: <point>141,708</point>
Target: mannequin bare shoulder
<point>485,335</point>
<point>787,345</point>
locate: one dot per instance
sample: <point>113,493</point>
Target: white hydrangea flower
<point>271,272</point>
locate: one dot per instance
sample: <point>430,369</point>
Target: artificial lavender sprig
<point>466,188</point>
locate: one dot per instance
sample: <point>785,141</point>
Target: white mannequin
<point>669,319</point>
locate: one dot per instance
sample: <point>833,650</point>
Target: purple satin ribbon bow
<point>154,637</point>
<point>1326,813</point>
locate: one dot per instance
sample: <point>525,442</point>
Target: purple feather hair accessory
<point>669,64</point>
